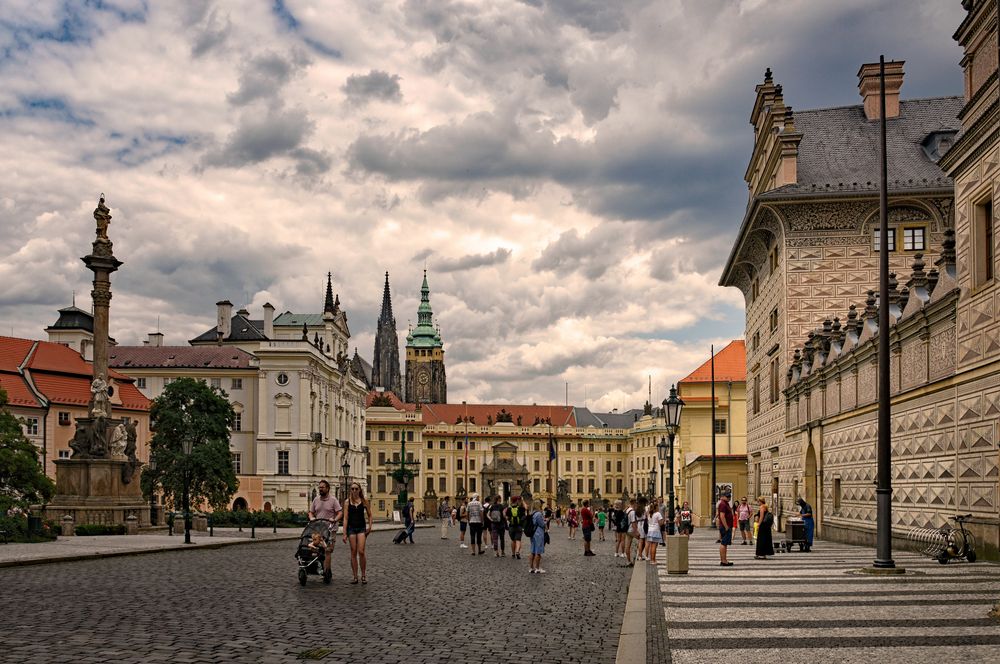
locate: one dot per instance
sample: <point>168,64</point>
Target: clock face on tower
<point>423,377</point>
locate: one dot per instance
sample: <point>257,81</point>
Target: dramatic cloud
<point>569,172</point>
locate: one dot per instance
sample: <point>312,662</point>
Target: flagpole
<point>715,480</point>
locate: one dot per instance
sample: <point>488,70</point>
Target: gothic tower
<point>425,379</point>
<point>385,363</point>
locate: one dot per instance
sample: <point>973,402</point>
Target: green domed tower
<point>425,376</point>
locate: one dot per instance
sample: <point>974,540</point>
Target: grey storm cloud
<point>279,132</point>
<point>210,33</point>
<point>471,261</point>
<point>592,254</point>
<point>265,75</point>
<point>373,86</point>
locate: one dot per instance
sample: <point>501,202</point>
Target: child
<point>318,544</point>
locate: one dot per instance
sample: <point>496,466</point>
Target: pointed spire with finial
<point>386,314</point>
<point>328,305</point>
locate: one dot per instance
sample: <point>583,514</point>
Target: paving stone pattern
<point>430,602</point>
<point>807,607</point>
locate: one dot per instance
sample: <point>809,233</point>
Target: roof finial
<point>328,303</point>
<point>767,75</point>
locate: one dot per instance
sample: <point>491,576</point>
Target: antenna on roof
<point>157,323</point>
<point>74,298</point>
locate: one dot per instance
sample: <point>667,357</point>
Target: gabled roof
<point>13,351</point>
<point>730,365</point>
<point>241,329</point>
<point>623,420</point>
<point>187,357</point>
<point>442,413</point>
<point>288,319</point>
<point>396,402</point>
<point>18,392</point>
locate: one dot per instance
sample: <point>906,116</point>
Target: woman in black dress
<point>765,524</point>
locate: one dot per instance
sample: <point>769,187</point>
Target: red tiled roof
<point>18,392</point>
<point>12,352</point>
<point>730,365</point>
<point>442,413</point>
<point>187,357</point>
<point>75,391</point>
<point>396,402</point>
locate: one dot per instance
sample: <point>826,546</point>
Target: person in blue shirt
<point>537,539</point>
<point>806,511</point>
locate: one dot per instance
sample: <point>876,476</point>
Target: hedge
<point>16,527</point>
<point>93,529</point>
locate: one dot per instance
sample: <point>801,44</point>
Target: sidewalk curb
<point>632,638</point>
<point>138,552</point>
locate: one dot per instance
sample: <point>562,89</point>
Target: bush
<point>286,519</point>
<point>96,530</point>
<point>16,525</point>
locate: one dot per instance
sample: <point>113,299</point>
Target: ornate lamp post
<point>346,467</point>
<point>405,471</point>
<point>652,483</point>
<point>672,407</point>
<point>662,452</point>
<point>152,493</point>
<point>187,446</point>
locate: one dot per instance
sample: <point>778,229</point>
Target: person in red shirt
<point>587,524</point>
<point>724,519</point>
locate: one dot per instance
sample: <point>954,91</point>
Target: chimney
<point>868,86</point>
<point>224,322</point>
<point>155,339</point>
<point>268,320</point>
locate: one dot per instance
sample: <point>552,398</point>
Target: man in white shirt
<point>326,506</point>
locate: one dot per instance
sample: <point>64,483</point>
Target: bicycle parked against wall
<point>947,543</point>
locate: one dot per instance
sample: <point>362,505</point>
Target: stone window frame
<point>64,418</point>
<point>912,231</point>
<point>983,238</point>
<point>140,383</point>
<point>876,240</point>
<point>284,460</point>
<point>236,458</point>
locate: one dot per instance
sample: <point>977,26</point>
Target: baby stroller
<point>310,558</point>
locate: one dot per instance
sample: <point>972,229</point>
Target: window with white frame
<point>64,454</point>
<point>63,418</point>
<point>283,462</point>
<point>140,383</point>
<point>31,426</point>
<point>217,383</point>
<point>238,421</point>
<point>914,239</point>
<point>236,384</point>
<point>237,462</point>
<point>877,240</point>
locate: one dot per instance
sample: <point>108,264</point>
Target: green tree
<point>22,478</point>
<point>191,411</point>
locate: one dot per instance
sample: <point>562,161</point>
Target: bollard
<point>211,526</point>
<point>179,523</point>
<point>131,525</point>
<point>274,521</point>
<point>253,526</point>
<point>239,521</point>
<point>170,523</point>
<point>68,527</point>
<point>677,554</point>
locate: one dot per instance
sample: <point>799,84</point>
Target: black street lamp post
<point>346,467</point>
<point>672,407</point>
<point>662,451</point>
<point>652,483</point>
<point>187,446</point>
<point>152,493</point>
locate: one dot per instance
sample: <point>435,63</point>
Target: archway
<point>267,506</point>
<point>810,480</point>
<point>240,505</point>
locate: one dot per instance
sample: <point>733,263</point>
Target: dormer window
<point>937,143</point>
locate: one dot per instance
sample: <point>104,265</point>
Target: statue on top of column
<point>102,215</point>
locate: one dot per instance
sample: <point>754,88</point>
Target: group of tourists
<point>489,522</point>
<point>755,525</point>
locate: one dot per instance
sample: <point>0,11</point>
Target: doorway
<point>505,490</point>
<point>240,505</point>
<point>810,480</point>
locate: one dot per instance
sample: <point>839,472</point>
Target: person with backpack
<point>515,523</point>
<point>498,526</point>
<point>535,529</point>
<point>571,520</point>
<point>602,522</point>
<point>587,523</point>
<point>474,513</point>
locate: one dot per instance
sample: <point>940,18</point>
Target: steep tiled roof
<point>241,329</point>
<point>624,420</point>
<point>440,413</point>
<point>75,391</point>
<point>13,351</point>
<point>730,365</point>
<point>839,152</point>
<point>73,318</point>
<point>18,392</point>
<point>396,402</point>
<point>288,319</point>
<point>187,357</point>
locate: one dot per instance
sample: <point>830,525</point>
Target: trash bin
<point>677,554</point>
<point>795,533</point>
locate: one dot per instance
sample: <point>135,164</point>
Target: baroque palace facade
<point>806,261</point>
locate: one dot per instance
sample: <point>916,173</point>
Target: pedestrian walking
<point>653,537</point>
<point>357,527</point>
<point>537,534</point>
<point>806,512</point>
<point>444,513</point>
<point>602,522</point>
<point>724,518</point>
<point>619,526</point>
<point>559,518</point>
<point>463,523</point>
<point>326,506</point>
<point>743,512</point>
<point>410,519</point>
<point>498,525</point>
<point>515,523</point>
<point>685,519</point>
<point>765,524</point>
<point>475,515</point>
<point>572,517</point>
<point>486,524</point>
<point>642,520</point>
<point>632,535</point>
<point>587,525</point>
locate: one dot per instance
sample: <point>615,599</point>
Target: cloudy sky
<point>569,171</point>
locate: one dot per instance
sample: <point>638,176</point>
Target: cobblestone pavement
<point>809,607</point>
<point>431,602</point>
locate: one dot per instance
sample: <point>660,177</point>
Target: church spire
<point>328,305</point>
<point>386,314</point>
<point>385,363</point>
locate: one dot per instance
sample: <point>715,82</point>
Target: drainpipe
<point>729,418</point>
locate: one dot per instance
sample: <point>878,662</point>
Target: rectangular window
<point>395,436</point>
<point>590,465</point>
<point>773,259</point>
<point>140,383</point>
<point>876,240</point>
<point>590,448</point>
<point>756,394</point>
<point>458,444</point>
<point>472,464</point>
<point>381,506</point>
<point>381,435</point>
<point>579,447</point>
<point>395,457</point>
<point>368,434</point>
<point>430,444</point>
<point>590,485</point>
<point>430,463</point>
<point>31,426</point>
<point>236,384</point>
<point>913,239</point>
<point>537,447</point>
<point>63,418</point>
<point>441,464</point>
<point>283,462</point>
<point>720,426</point>
<point>607,466</point>
<point>538,485</point>
<point>472,446</point>
<point>755,342</point>
<point>238,422</point>
<point>443,484</point>
<point>579,486</point>
<point>579,465</point>
<point>774,319</point>
<point>607,448</point>
<point>983,242</point>
<point>537,466</point>
<point>754,290</point>
<point>621,485</point>
<point>458,464</point>
<point>441,445</point>
<point>380,481</point>
<point>217,383</point>
<point>237,463</point>
<point>472,484</point>
<point>836,494</point>
<point>409,436</point>
<point>569,466</point>
<point>774,390</point>
<point>430,484</point>
<point>619,466</point>
<point>607,486</point>
<point>381,458</point>
<point>63,454</point>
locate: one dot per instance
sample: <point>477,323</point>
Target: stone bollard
<point>178,524</point>
<point>68,526</point>
<point>131,525</point>
<point>677,554</point>
<point>199,523</point>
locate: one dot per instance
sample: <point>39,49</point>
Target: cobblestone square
<point>431,602</point>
